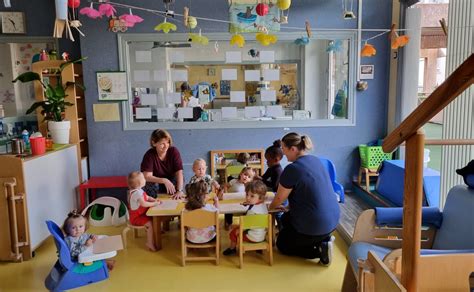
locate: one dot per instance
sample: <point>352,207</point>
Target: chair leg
<point>270,254</point>
<point>183,255</point>
<point>350,282</point>
<point>135,233</point>
<point>359,178</point>
<point>367,180</point>
<point>241,257</point>
<point>124,236</point>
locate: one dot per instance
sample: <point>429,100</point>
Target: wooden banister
<point>455,84</point>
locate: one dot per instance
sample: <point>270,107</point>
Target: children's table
<point>100,182</point>
<point>89,256</point>
<point>231,204</point>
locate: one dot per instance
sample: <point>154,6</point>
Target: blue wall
<point>117,152</point>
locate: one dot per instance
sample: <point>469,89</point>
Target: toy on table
<point>65,56</point>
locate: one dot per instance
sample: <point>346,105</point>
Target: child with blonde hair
<point>138,204</point>
<point>255,200</point>
<point>199,169</point>
<point>246,175</point>
<point>77,239</point>
<point>196,195</point>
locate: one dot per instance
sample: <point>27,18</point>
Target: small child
<point>247,174</point>
<point>255,199</point>
<point>199,169</point>
<point>77,239</point>
<point>273,155</point>
<point>138,204</point>
<point>196,194</point>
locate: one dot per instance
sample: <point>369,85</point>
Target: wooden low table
<point>100,182</point>
<point>231,204</point>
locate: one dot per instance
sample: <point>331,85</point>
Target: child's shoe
<point>229,251</point>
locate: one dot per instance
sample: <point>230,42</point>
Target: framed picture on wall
<point>112,85</point>
<point>366,71</point>
<point>225,87</point>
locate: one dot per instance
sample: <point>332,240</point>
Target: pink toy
<point>90,12</point>
<point>130,19</point>
<point>262,9</point>
<point>107,10</point>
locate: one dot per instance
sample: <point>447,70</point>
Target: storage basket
<point>372,156</point>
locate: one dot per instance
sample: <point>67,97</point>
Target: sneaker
<point>326,251</point>
<point>230,251</point>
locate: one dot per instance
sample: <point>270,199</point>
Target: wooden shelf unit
<point>76,113</point>
<point>258,165</point>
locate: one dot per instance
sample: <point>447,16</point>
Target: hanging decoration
<point>283,4</point>
<point>309,33</point>
<point>130,19</point>
<point>444,27</point>
<point>90,12</point>
<point>192,22</point>
<point>334,46</point>
<point>74,17</point>
<point>61,23</point>
<point>368,50</point>
<point>166,26</point>
<point>302,41</point>
<point>198,38</point>
<point>266,39</point>
<point>237,39</point>
<point>396,40</point>
<point>107,10</point>
<point>347,13</point>
<point>262,9</point>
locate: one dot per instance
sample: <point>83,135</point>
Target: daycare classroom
<point>230,145</point>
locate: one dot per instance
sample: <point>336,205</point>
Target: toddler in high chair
<point>196,195</point>
<point>255,200</point>
<point>246,175</point>
<point>138,204</point>
<point>199,169</point>
<point>77,240</point>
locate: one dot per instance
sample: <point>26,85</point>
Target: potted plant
<point>52,108</point>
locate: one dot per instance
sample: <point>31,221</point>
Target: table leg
<point>157,231</point>
<point>93,192</point>
<point>82,198</point>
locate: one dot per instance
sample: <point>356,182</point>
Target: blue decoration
<point>302,41</point>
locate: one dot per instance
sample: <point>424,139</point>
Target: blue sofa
<point>447,254</point>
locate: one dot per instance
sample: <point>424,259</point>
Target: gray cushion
<point>359,250</point>
<point>457,229</point>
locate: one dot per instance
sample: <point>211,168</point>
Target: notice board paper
<point>106,112</point>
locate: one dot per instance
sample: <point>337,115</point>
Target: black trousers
<point>293,243</point>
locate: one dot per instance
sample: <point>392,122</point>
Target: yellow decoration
<point>368,51</point>
<point>166,27</point>
<point>283,4</point>
<point>192,22</point>
<point>237,39</point>
<point>266,39</point>
<point>200,39</point>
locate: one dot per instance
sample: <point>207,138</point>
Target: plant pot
<point>59,131</point>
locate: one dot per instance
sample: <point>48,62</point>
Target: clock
<point>13,22</point>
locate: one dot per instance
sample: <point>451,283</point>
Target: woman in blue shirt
<point>314,210</point>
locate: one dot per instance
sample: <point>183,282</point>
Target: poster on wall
<point>244,18</point>
<point>366,71</point>
<point>225,87</point>
<point>112,85</point>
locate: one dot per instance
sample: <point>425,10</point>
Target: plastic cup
<point>38,145</point>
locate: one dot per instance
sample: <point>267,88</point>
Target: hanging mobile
<point>347,13</point>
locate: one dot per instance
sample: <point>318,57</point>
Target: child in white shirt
<point>255,199</point>
<point>247,174</point>
<point>196,195</point>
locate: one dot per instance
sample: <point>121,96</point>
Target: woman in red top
<point>162,166</point>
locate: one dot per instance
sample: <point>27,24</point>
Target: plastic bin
<point>38,145</point>
<point>372,156</point>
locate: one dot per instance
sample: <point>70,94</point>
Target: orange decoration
<point>368,51</point>
<point>396,40</point>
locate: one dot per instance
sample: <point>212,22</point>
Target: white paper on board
<point>179,75</point>
<point>267,56</point>
<point>229,112</point>
<point>252,112</point>
<point>252,75</point>
<point>185,112</point>
<point>233,57</point>
<point>160,75</point>
<point>143,56</point>
<point>173,97</point>
<point>274,111</point>
<point>271,74</point>
<point>229,74</point>
<point>268,95</point>
<point>177,57</point>
<point>237,96</point>
<point>141,75</point>
<point>165,113</point>
<point>149,99</point>
<point>143,113</point>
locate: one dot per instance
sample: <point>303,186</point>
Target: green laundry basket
<point>372,156</point>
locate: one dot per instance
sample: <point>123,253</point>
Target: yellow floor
<point>139,270</point>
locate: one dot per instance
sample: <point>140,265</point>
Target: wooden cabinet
<point>76,114</point>
<point>220,159</point>
<point>34,189</point>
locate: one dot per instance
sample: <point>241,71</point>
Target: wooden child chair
<point>255,222</point>
<point>199,219</point>
<point>135,229</point>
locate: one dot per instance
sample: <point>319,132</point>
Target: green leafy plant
<point>55,103</point>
